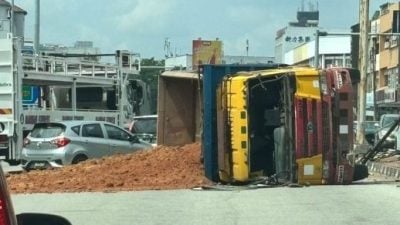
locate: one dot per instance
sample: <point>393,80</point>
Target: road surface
<point>353,204</point>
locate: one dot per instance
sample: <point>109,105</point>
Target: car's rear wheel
<point>79,158</point>
<point>13,162</point>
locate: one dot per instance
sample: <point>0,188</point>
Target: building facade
<point>385,61</point>
<point>334,51</point>
<point>296,33</point>
<point>5,20</point>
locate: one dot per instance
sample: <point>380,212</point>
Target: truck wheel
<point>79,158</point>
<point>360,172</point>
<point>14,162</point>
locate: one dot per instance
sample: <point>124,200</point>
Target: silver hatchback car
<point>70,142</point>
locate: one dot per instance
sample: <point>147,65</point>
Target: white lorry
<point>65,89</point>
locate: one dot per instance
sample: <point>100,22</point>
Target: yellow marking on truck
<point>4,111</point>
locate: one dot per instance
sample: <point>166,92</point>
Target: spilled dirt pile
<point>159,168</point>
<point>391,161</point>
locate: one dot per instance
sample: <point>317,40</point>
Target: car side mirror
<point>134,139</point>
<point>41,219</point>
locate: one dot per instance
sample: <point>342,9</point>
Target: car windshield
<point>145,125</point>
<point>388,121</point>
<point>370,125</point>
<point>47,130</point>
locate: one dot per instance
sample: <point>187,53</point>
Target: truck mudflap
<point>310,170</point>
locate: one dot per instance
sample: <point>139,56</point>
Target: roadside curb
<point>384,170</point>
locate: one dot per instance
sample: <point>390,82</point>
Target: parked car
<point>8,216</point>
<point>370,130</point>
<point>145,128</point>
<point>386,121</point>
<point>70,142</point>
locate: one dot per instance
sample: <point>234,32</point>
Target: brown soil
<point>392,161</point>
<point>159,168</point>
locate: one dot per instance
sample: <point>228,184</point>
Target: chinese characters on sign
<point>299,39</point>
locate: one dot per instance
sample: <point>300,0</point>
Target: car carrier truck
<point>64,89</point>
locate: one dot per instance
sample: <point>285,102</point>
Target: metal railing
<point>65,66</point>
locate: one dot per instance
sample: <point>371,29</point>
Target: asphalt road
<point>354,204</point>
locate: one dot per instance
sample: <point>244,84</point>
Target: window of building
<point>385,78</point>
<point>387,42</point>
<point>393,41</point>
<point>348,62</point>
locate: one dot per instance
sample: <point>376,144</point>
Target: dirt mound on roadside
<point>159,168</point>
<point>391,161</point>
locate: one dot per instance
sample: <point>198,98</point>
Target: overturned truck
<point>294,123</point>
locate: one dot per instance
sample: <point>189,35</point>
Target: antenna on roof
<point>311,6</point>
<point>302,5</point>
<point>247,47</point>
<point>167,47</point>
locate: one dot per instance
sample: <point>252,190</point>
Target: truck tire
<point>360,172</point>
<point>13,162</point>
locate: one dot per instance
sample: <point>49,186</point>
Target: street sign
<point>30,95</point>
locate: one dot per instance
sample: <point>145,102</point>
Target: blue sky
<point>142,25</point>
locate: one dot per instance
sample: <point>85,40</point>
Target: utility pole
<point>316,53</point>
<point>37,27</point>
<point>363,57</point>
<point>376,111</point>
<point>12,18</point>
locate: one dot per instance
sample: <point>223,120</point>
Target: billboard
<point>206,52</point>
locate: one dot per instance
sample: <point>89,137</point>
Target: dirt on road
<point>392,161</point>
<point>156,169</point>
